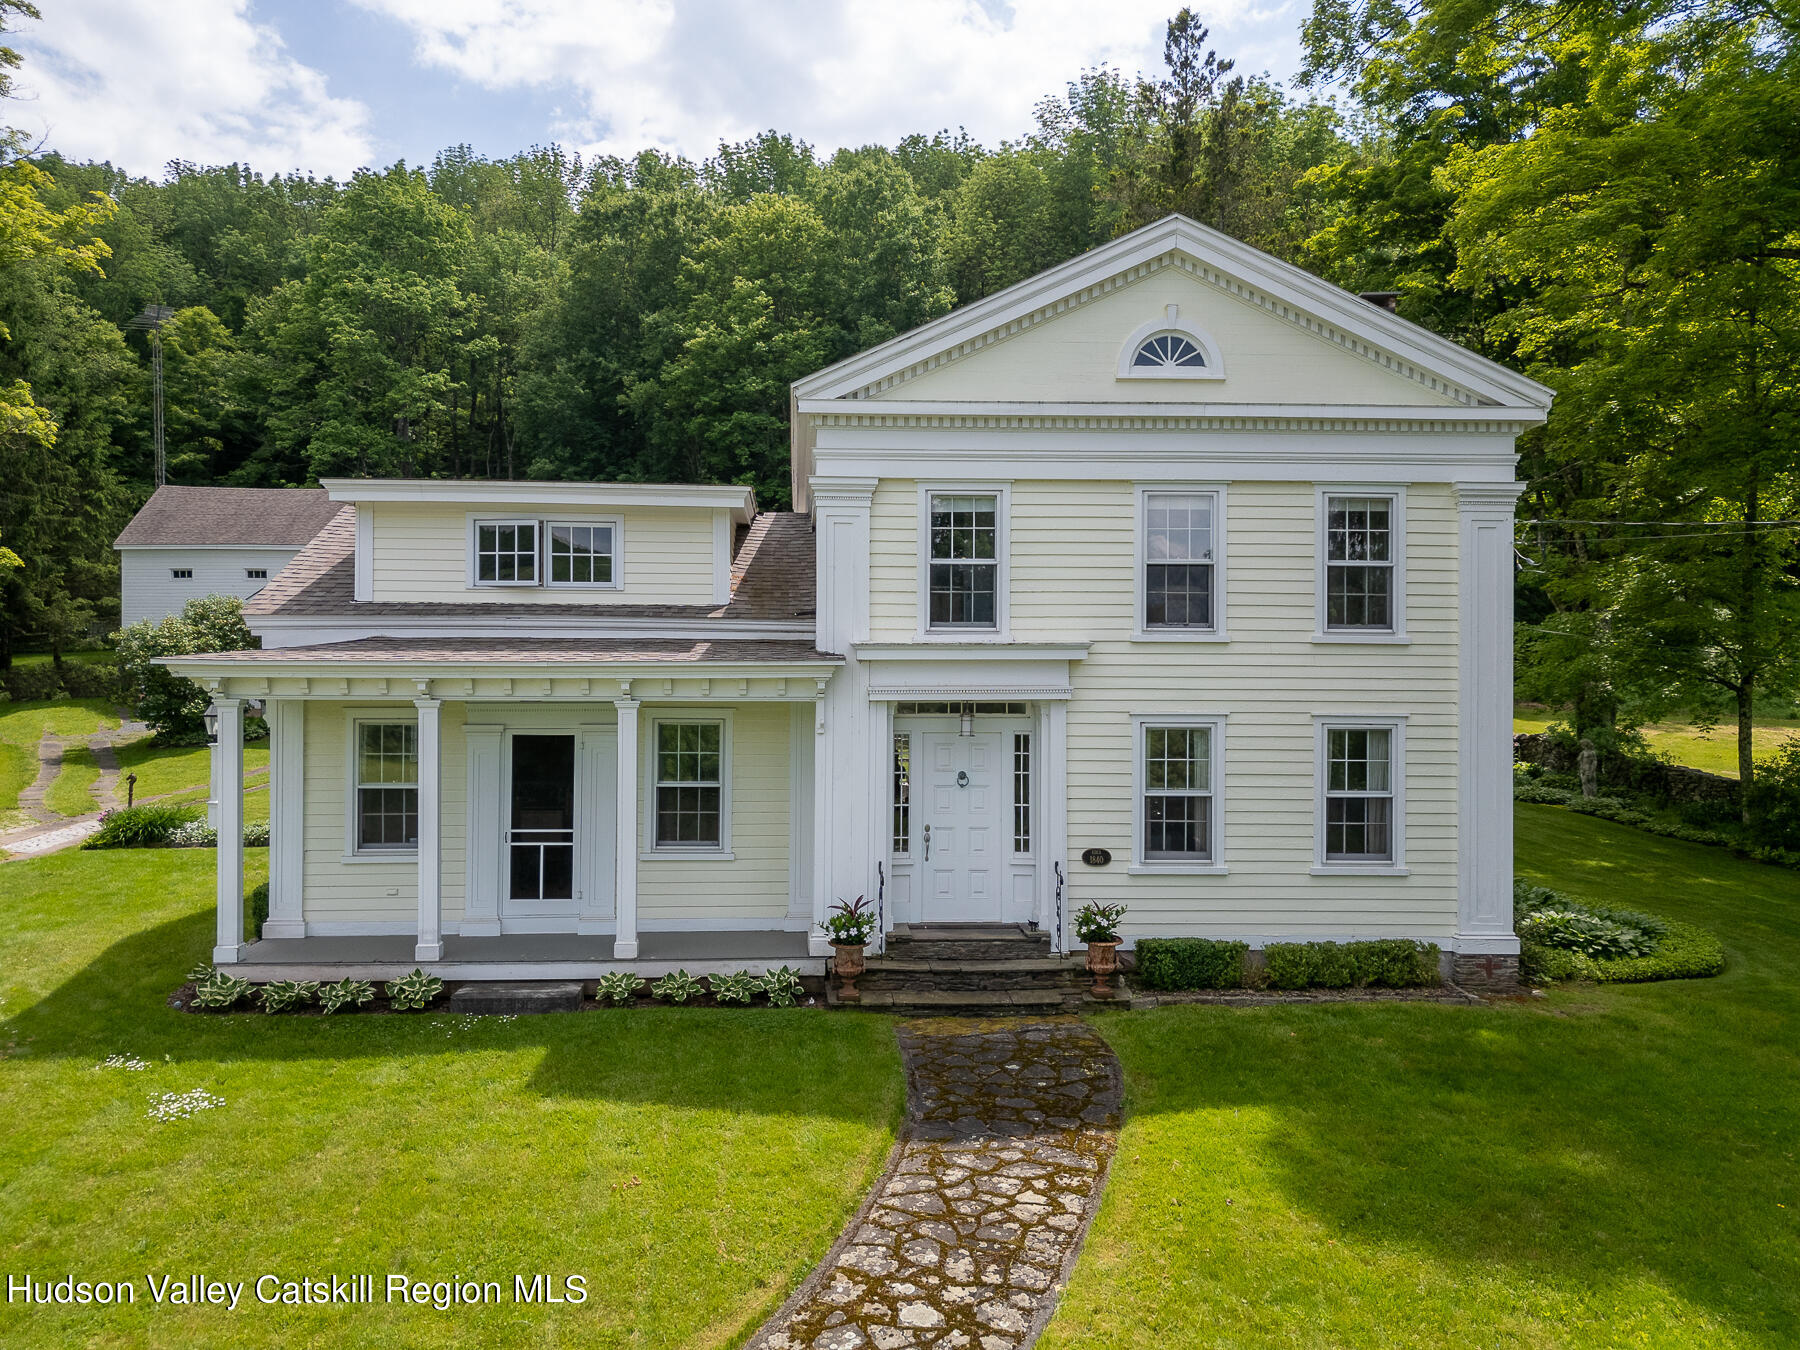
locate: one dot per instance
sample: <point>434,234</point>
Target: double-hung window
<point>1360,808</point>
<point>1177,773</point>
<point>1180,552</point>
<point>582,554</point>
<point>387,786</point>
<point>1363,550</point>
<point>689,759</point>
<point>963,582</point>
<point>506,553</point>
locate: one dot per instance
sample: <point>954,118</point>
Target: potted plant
<point>848,928</point>
<point>1098,926</point>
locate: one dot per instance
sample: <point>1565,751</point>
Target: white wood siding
<point>421,553</point>
<point>754,882</point>
<point>1074,358</point>
<point>1073,578</point>
<point>148,591</point>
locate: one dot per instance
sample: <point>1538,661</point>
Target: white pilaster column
<point>1054,818</point>
<point>287,817</point>
<point>431,900</point>
<point>824,799</point>
<point>881,815</point>
<point>228,793</point>
<point>1485,678</point>
<point>625,846</point>
<point>485,828</point>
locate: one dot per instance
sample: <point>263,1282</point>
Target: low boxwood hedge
<point>1684,952</point>
<point>1384,963</point>
<point>1190,963</point>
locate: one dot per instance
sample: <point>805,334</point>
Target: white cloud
<point>142,84</point>
<point>685,74</point>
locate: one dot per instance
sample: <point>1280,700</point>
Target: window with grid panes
<point>506,553</point>
<point>1179,559</point>
<point>1178,794</point>
<point>1359,794</point>
<point>964,576</point>
<point>387,785</point>
<point>689,780</point>
<point>580,555</point>
<point>1359,563</point>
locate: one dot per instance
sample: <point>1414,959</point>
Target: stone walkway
<point>967,1239</point>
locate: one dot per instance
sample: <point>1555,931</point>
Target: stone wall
<point>1486,974</point>
<point>1670,782</point>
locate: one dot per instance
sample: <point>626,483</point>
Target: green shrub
<point>92,679</point>
<point>416,990</point>
<point>221,991</point>
<point>33,683</point>
<point>256,834</point>
<point>1772,802</point>
<point>677,987</point>
<point>346,993</point>
<point>256,909</point>
<point>736,988</point>
<point>191,834</point>
<point>782,986</point>
<point>617,987</point>
<point>1554,942</point>
<point>140,826</point>
<point>1683,953</point>
<point>280,995</point>
<point>1387,963</point>
<point>1189,963</point>
<point>170,704</point>
<point>200,972</point>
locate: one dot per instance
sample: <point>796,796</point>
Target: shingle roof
<point>244,517</point>
<point>526,651</point>
<point>772,578</point>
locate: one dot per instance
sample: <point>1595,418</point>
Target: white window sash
<point>476,552</point>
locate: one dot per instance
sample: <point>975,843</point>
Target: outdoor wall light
<point>968,719</point>
<point>211,718</point>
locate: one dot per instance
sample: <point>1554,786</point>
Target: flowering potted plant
<point>848,928</point>
<point>1098,926</point>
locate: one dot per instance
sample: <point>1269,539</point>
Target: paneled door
<point>540,842</point>
<point>963,831</point>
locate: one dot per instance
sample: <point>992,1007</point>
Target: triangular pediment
<point>1273,334</point>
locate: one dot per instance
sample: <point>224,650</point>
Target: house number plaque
<point>1096,857</point>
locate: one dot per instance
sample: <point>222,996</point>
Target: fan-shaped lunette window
<point>1168,351</point>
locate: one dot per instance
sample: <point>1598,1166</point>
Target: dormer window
<point>580,554</point>
<point>1168,351</point>
<point>506,553</point>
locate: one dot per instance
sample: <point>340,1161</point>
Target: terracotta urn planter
<point>1103,964</point>
<point>848,963</point>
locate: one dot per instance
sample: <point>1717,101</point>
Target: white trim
<point>1001,492</point>
<point>721,558</point>
<point>364,587</point>
<point>616,524</point>
<point>287,819</point>
<point>1395,725</point>
<point>496,494</point>
<point>648,849</point>
<point>1183,416</point>
<point>430,945</point>
<point>315,629</point>
<point>1216,865</point>
<point>1172,323</point>
<point>228,793</point>
<point>356,716</point>
<point>974,651</point>
<point>484,806</point>
<point>1266,283</point>
<point>213,548</point>
<point>1217,631</point>
<point>625,826</point>
<point>476,520</point>
<point>1322,494</point>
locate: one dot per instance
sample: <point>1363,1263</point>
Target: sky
<point>328,86</point>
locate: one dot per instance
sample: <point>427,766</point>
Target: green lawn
<point>1605,1167</point>
<point>1714,751</point>
<point>71,792</point>
<point>183,769</point>
<point>691,1165</point>
<point>22,726</point>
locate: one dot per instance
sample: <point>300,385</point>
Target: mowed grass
<point>164,770</point>
<point>1603,1167</point>
<point>1713,750</point>
<point>691,1165</point>
<point>22,726</point>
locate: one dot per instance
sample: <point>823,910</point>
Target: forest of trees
<point>1603,194</point>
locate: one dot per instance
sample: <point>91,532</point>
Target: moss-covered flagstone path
<point>967,1238</point>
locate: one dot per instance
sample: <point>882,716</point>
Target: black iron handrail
<point>880,906</point>
<point>1059,944</point>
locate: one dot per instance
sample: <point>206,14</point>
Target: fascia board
<point>524,626</point>
<point>1366,412</point>
<point>474,492</point>
<point>234,668</point>
<point>970,651</point>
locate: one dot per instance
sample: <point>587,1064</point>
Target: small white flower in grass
<point>169,1107</point>
<point>128,1062</point>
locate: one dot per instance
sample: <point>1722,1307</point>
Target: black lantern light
<point>211,718</point>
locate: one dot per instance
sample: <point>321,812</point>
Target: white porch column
<point>287,817</point>
<point>625,847</point>
<point>431,938</point>
<point>228,793</point>
<point>824,796</point>
<point>1485,678</point>
<point>1054,820</point>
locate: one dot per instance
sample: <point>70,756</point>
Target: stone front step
<point>519,996</point>
<point>965,1002</point>
<point>967,942</point>
<point>898,973</point>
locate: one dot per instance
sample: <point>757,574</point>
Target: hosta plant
<point>219,990</point>
<point>416,990</point>
<point>280,995</point>
<point>737,988</point>
<point>677,987</point>
<point>782,986</point>
<point>346,994</point>
<point>200,972</point>
<point>617,987</point>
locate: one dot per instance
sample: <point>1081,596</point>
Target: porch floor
<point>527,956</point>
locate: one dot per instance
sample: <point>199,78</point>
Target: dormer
<point>523,543</point>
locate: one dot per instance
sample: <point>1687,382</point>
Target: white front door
<point>963,831</point>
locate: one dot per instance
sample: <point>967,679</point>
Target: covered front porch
<point>527,956</point>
